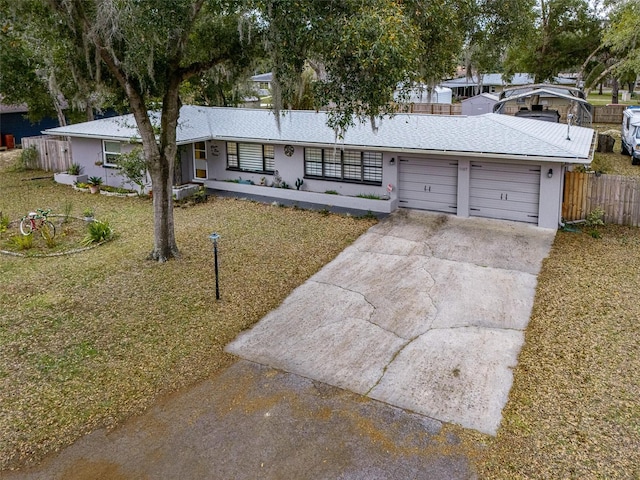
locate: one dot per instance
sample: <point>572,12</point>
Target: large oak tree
<point>143,51</point>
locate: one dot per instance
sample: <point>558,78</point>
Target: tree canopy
<point>563,35</point>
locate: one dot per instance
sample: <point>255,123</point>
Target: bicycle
<point>38,220</point>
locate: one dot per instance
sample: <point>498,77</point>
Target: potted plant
<point>94,184</point>
<point>71,176</point>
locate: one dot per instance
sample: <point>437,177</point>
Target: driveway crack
<point>411,340</point>
<point>364,297</point>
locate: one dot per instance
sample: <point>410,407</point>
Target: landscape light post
<point>214,237</point>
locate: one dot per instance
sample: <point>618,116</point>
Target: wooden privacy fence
<point>54,153</point>
<point>617,195</point>
<point>437,108</point>
<point>601,113</point>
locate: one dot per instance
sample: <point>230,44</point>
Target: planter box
<point>357,203</point>
<point>65,179</point>
<point>183,191</point>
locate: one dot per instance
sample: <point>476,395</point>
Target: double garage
<point>479,187</point>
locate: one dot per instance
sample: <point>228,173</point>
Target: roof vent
<point>569,118</point>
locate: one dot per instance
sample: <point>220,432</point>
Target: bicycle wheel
<point>26,227</point>
<point>50,227</point>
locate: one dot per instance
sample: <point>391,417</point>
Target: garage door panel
<point>501,177</point>
<point>496,204</point>
<point>434,185</point>
<point>505,167</point>
<point>445,197</point>
<point>507,215</point>
<point>502,195</point>
<point>429,205</point>
<point>428,184</point>
<point>429,170</point>
<point>498,186</point>
<point>419,181</point>
<point>426,179</point>
<point>505,191</point>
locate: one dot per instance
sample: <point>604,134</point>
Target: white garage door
<point>428,184</point>
<point>505,191</point>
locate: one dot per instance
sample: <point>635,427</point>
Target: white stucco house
<point>495,166</point>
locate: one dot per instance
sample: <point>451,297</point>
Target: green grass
<point>91,339</point>
<point>605,99</point>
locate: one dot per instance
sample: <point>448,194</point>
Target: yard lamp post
<point>214,237</point>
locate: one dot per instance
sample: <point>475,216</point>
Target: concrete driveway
<point>424,312</point>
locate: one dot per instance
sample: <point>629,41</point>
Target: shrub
<point>134,167</point>
<point>22,242</point>
<point>98,231</point>
<point>48,235</point>
<point>27,160</point>
<point>595,218</point>
<point>4,222</point>
<point>74,169</point>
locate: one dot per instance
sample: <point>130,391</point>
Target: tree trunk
<point>162,169</point>
<point>164,242</point>
<point>615,87</point>
<point>160,158</point>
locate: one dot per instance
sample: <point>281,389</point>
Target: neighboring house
<point>14,122</point>
<point>464,87</point>
<point>425,94</point>
<point>262,83</point>
<point>479,105</point>
<point>494,166</point>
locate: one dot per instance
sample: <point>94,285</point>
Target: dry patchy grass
<point>90,339</point>
<point>613,163</point>
<point>574,409</point>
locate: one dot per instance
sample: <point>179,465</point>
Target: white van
<point>631,133</point>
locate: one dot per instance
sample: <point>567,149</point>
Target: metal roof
<point>495,134</point>
<point>263,77</point>
<point>489,79</point>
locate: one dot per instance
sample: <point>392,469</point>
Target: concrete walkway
<point>424,312</point>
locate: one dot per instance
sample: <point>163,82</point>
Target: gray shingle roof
<point>482,134</point>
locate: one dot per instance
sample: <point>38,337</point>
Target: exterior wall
<point>550,195</point>
<point>87,151</point>
<point>292,168</point>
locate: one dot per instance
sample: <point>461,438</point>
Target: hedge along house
<point>494,166</point>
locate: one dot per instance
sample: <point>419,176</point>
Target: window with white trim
<point>250,157</point>
<point>111,152</point>
<point>344,165</point>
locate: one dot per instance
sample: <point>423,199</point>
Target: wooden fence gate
<point>54,153</point>
<point>617,195</point>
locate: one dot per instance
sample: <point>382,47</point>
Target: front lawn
<point>90,339</point>
<point>574,409</point>
<point>613,163</point>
